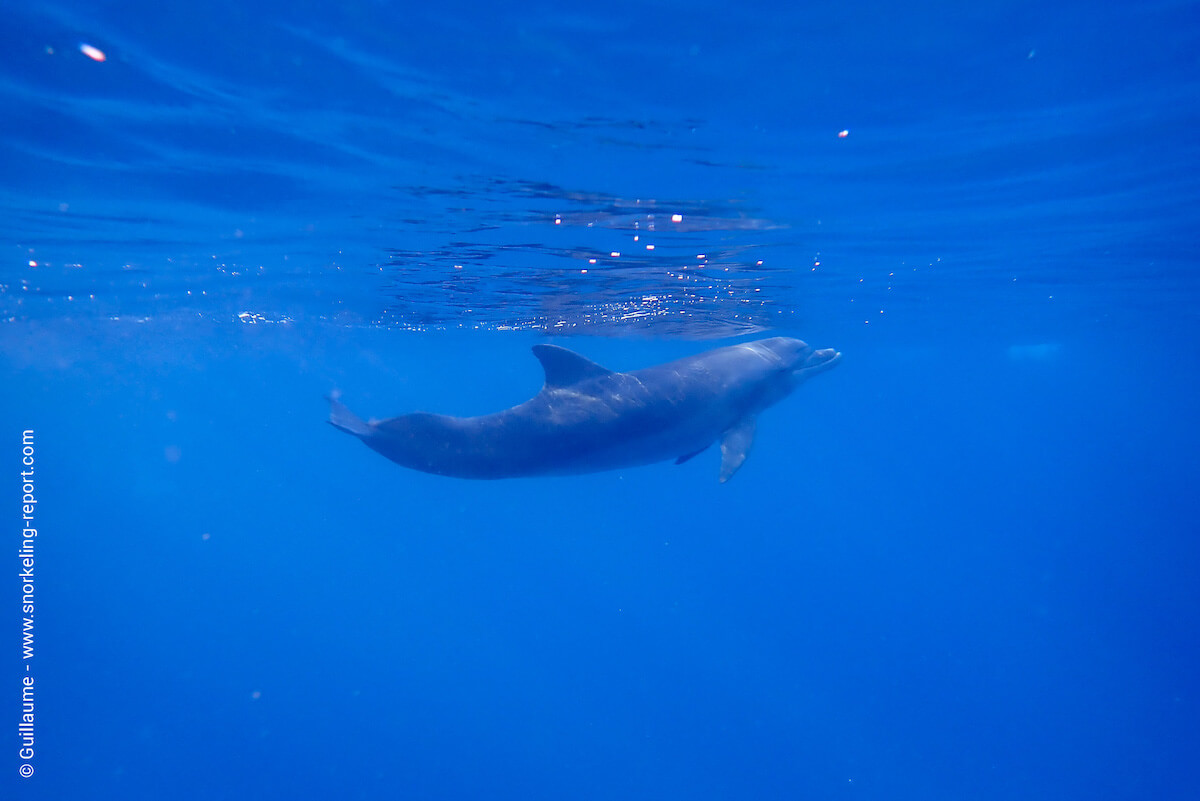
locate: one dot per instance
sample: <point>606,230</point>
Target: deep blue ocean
<point>962,565</point>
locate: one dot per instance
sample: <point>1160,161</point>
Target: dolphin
<point>588,418</point>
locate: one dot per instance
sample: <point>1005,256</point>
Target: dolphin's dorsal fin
<point>735,447</point>
<point>566,367</point>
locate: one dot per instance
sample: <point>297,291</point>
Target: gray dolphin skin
<point>587,418</point>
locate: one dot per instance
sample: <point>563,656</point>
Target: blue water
<point>963,564</point>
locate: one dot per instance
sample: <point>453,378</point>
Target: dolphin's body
<point>588,418</point>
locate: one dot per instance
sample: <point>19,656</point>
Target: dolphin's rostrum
<point>588,418</point>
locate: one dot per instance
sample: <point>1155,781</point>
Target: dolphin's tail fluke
<point>346,420</point>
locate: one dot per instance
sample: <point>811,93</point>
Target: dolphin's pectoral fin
<point>687,456</point>
<point>735,447</point>
<point>566,367</point>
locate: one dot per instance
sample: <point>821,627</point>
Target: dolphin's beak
<point>819,361</point>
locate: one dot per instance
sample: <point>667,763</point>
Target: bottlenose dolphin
<point>588,418</point>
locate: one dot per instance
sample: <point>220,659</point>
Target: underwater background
<point>962,564</point>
